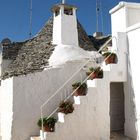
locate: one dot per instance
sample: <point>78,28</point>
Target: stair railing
<point>42,106</point>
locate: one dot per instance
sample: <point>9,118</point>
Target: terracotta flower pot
<point>110,59</point>
<point>96,75</point>
<point>77,92</point>
<point>93,75</point>
<point>79,89</point>
<point>66,107</point>
<point>80,92</point>
<point>48,129</point>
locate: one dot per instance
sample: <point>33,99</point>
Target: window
<point>57,12</point>
<point>68,11</point>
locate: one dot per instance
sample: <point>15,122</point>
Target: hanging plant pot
<point>48,129</point>
<point>48,124</point>
<point>66,107</point>
<point>95,73</point>
<point>78,92</point>
<point>79,89</point>
<point>110,57</point>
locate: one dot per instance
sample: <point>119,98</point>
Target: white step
<point>43,136</point>
<point>92,83</point>
<point>61,117</point>
<point>108,67</point>
<point>79,99</point>
<point>35,138</point>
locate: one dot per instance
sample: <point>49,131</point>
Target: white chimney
<point>65,25</point>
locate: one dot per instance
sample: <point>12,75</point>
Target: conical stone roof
<point>32,55</point>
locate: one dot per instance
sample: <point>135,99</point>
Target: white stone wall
<point>57,30</point>
<point>124,15</point>
<point>69,30</point>
<point>129,22</point>
<point>133,83</point>
<point>120,48</point>
<point>90,120</point>
<point>133,16</point>
<point>6,110</point>
<point>25,95</point>
<point>116,17</point>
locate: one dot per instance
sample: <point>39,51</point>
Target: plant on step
<point>79,88</point>
<point>48,124</point>
<point>96,72</point>
<point>66,107</point>
<point>110,57</point>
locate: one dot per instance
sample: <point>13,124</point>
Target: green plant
<point>40,121</point>
<point>96,72</point>
<point>76,85</point>
<point>48,123</point>
<point>80,88</point>
<point>79,84</point>
<point>66,107</point>
<point>108,53</point>
<point>51,122</point>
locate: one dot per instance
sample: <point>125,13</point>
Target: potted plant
<point>79,89</point>
<point>64,108</point>
<point>96,72</point>
<point>110,57</point>
<point>48,124</point>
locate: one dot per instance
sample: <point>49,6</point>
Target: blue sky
<point>14,16</point>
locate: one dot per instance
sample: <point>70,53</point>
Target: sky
<point>15,21</point>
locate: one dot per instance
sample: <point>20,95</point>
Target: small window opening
<point>57,12</point>
<point>68,11</point>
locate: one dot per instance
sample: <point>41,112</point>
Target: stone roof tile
<point>32,55</point>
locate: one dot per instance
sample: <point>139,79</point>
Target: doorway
<point>117,117</point>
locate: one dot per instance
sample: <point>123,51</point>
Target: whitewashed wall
<point>134,112</point>
<point>116,17</point>
<point>69,30</point>
<point>124,15</point>
<point>129,22</point>
<point>26,94</point>
<point>6,110</point>
<point>90,120</point>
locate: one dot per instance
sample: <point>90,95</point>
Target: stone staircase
<point>90,119</point>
